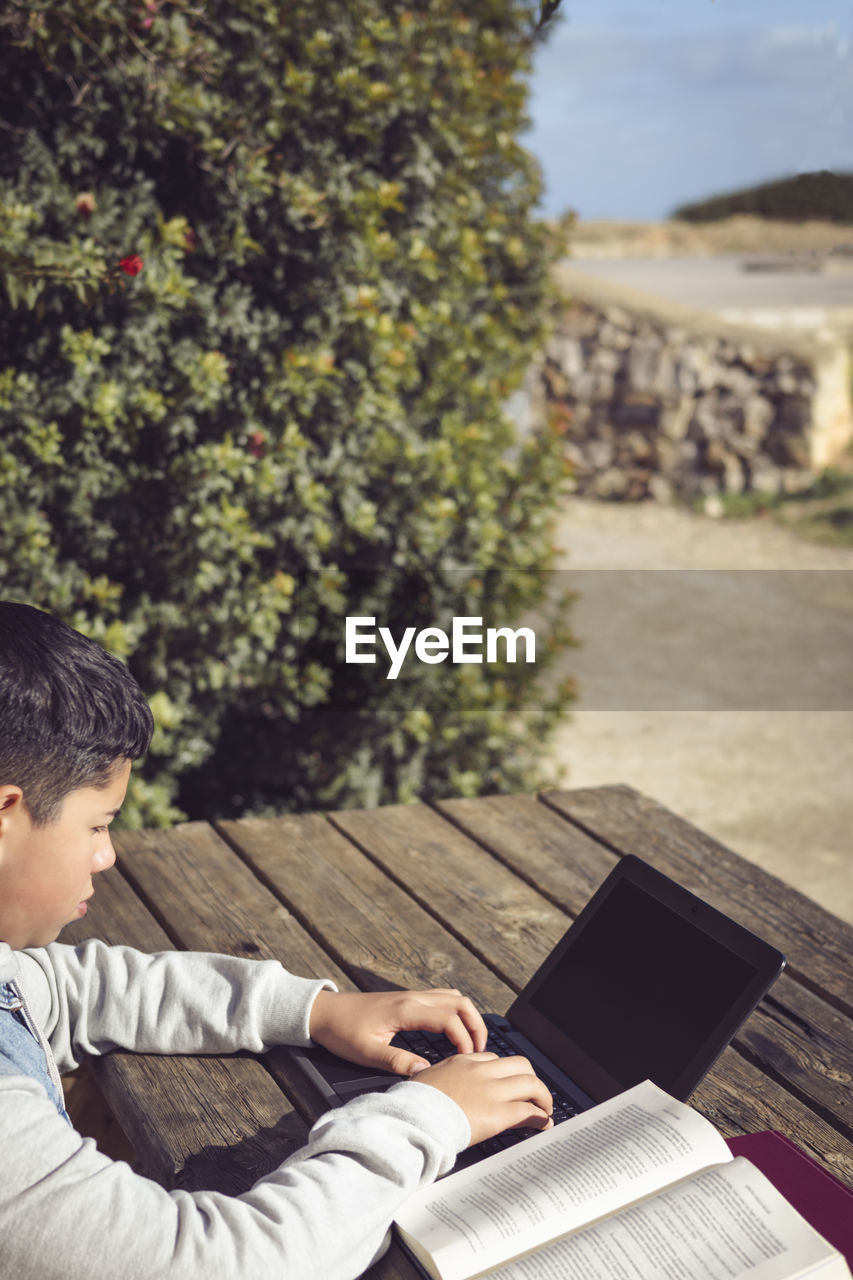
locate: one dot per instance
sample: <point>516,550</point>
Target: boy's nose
<point>105,857</point>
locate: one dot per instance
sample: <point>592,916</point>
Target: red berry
<point>131,265</point>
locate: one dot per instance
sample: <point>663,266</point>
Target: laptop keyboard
<point>435,1048</point>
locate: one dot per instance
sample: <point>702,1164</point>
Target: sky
<point>640,105</point>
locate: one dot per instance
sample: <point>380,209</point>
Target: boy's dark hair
<point>69,711</point>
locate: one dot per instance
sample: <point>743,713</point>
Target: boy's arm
<point>92,998</point>
<point>67,1210</point>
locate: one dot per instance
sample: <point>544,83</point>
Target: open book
<point>641,1185</point>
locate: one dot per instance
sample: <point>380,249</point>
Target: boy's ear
<point>11,799</point>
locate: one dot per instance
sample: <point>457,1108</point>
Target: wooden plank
<point>116,916</point>
<point>209,900</point>
<point>806,1044</point>
<point>371,926</point>
<point>737,1097</point>
<point>198,1123</point>
<point>368,923</point>
<point>796,1036</point>
<point>556,858</point>
<point>818,945</point>
<point>499,917</point>
<point>215,1124</point>
<point>800,1039</point>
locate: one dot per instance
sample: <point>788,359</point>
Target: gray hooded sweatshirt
<point>68,1212</point>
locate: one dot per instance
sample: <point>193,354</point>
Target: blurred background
<point>639,106</point>
<point>639,110</point>
<point>413,311</point>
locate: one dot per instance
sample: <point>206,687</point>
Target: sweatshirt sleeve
<point>67,1212</point>
<point>92,998</point>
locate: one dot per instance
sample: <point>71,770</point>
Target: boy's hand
<point>360,1026</point>
<point>495,1093</point>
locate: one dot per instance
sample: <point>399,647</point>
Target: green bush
<point>293,412</point>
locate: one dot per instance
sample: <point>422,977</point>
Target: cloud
<point>627,123</point>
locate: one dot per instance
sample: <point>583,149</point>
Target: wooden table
<point>468,893</point>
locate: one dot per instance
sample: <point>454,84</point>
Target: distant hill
<point>825,196</point>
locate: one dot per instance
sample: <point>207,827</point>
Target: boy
<point>71,721</point>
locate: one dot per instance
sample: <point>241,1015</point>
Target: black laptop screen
<point>642,988</point>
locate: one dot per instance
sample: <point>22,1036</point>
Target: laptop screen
<point>650,981</point>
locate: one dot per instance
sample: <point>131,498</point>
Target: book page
<point>725,1223</point>
<point>602,1160</point>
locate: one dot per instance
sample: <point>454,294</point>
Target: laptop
<point>649,982</point>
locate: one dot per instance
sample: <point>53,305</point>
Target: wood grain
<point>199,1123</point>
<point>504,921</point>
<point>467,893</point>
<point>799,1038</point>
<point>373,927</point>
<point>209,900</point>
<point>204,1122</point>
<point>737,1097</point>
<point>818,945</point>
<point>556,858</point>
<point>806,1044</point>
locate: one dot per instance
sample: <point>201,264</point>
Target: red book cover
<point>822,1200</point>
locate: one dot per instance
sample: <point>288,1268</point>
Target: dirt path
<point>774,784</point>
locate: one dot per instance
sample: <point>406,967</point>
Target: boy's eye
<point>98,830</point>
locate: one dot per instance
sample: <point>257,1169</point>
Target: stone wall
<point>656,400</point>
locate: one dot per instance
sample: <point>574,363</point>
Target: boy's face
<point>46,872</point>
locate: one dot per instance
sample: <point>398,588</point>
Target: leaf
<point>303,417</point>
